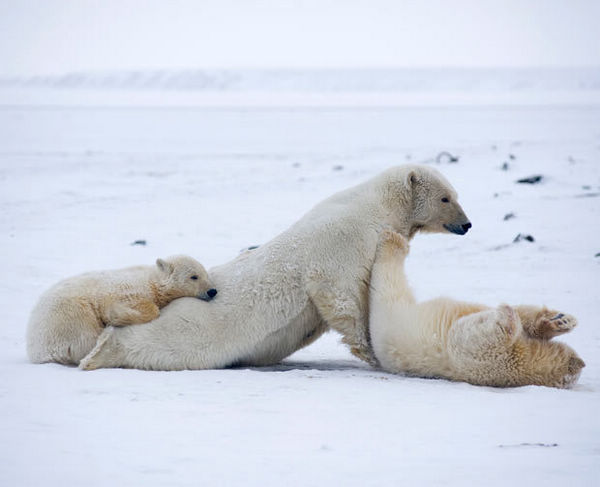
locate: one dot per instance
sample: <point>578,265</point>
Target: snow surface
<point>79,184</point>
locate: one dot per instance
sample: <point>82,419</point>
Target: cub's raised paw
<point>391,241</point>
<point>551,323</point>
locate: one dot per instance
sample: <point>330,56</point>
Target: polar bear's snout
<point>208,295</point>
<point>459,229</point>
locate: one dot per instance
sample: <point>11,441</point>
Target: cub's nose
<point>211,293</point>
<point>466,226</point>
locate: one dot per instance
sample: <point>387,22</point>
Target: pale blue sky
<point>56,36</point>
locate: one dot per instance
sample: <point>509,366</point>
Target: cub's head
<point>181,276</point>
<point>544,362</point>
<point>434,201</point>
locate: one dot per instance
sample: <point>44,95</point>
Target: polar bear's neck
<point>381,201</point>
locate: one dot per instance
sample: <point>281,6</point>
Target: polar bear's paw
<point>391,242</point>
<point>551,323</point>
<point>94,360</point>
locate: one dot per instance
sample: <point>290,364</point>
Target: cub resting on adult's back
<point>69,317</point>
<point>283,295</point>
<point>504,346</point>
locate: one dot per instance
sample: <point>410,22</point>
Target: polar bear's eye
<point>194,278</point>
<point>445,200</point>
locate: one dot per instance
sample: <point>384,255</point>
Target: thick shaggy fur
<point>70,316</point>
<point>283,295</point>
<point>460,341</point>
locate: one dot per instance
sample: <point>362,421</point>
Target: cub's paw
<point>392,242</point>
<point>551,323</point>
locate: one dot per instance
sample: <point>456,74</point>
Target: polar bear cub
<point>69,317</point>
<point>503,346</point>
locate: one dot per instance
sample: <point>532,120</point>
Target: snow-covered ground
<point>79,184</point>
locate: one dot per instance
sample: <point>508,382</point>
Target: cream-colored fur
<point>460,341</point>
<point>283,295</point>
<point>69,317</point>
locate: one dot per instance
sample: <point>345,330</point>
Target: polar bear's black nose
<point>211,293</point>
<point>466,226</point>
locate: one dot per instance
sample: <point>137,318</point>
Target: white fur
<point>463,341</point>
<point>281,296</point>
<point>69,317</point>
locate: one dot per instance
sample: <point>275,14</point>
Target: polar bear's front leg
<point>118,313</point>
<point>389,286</point>
<point>341,312</point>
<point>392,308</point>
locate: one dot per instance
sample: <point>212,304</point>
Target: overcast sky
<point>57,36</point>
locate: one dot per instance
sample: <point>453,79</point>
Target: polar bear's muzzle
<point>208,295</point>
<point>458,228</point>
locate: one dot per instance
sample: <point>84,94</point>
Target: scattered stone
<point>512,157</point>
<point>571,160</point>
<point>597,255</point>
<point>586,187</point>
<point>296,165</point>
<point>139,242</point>
<point>522,236</point>
<point>531,179</point>
<point>505,166</point>
<point>339,167</point>
<point>248,249</point>
<point>509,216</point>
<point>446,157</point>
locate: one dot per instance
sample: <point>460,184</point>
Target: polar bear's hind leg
<point>97,359</point>
<point>341,312</point>
<point>543,323</point>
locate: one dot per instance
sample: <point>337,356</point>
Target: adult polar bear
<point>283,295</point>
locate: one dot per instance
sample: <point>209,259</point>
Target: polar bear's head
<point>180,276</point>
<point>435,202</point>
<point>421,199</point>
<point>491,348</point>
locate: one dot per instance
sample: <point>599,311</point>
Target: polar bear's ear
<point>164,266</point>
<point>411,179</point>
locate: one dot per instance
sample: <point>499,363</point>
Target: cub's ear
<point>164,266</point>
<point>411,179</point>
<point>575,365</point>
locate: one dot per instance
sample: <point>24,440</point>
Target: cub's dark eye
<point>194,278</point>
<point>445,200</point>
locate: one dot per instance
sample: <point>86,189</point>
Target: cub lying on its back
<point>69,317</point>
<point>502,346</point>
